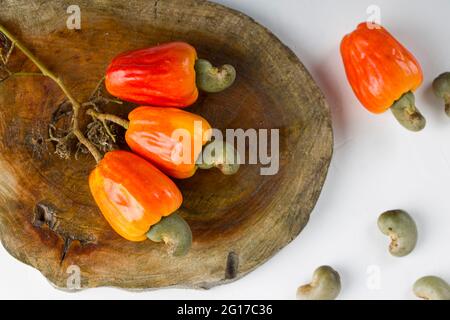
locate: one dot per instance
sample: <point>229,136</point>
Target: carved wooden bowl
<point>47,216</point>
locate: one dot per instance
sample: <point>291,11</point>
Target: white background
<point>377,165</point>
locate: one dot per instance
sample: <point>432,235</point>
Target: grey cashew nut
<point>441,88</point>
<point>432,288</point>
<point>325,285</point>
<point>221,155</point>
<point>174,231</point>
<point>214,79</point>
<point>401,228</point>
<point>407,114</point>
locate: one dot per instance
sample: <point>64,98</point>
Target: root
<point>102,135</point>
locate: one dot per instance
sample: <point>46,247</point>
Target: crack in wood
<point>232,266</point>
<point>46,214</point>
<point>67,243</point>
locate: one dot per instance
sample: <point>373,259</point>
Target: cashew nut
<point>325,285</point>
<point>174,231</point>
<point>432,288</point>
<point>221,155</point>
<point>402,230</point>
<point>441,88</point>
<point>407,114</point>
<point>212,79</point>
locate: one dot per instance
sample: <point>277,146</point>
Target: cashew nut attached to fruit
<point>174,231</point>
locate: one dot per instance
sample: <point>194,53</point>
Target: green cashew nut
<point>441,88</point>
<point>174,231</point>
<point>432,288</point>
<point>405,111</point>
<point>212,79</point>
<point>221,155</point>
<point>401,228</point>
<point>325,285</point>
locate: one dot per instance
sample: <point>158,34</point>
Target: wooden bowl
<point>47,216</point>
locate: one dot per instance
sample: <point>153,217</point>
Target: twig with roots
<point>44,71</point>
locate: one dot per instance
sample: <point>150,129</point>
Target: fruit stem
<point>108,117</point>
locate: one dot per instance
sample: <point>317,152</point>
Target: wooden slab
<point>238,222</point>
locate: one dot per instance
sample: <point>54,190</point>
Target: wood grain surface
<point>238,222</point>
